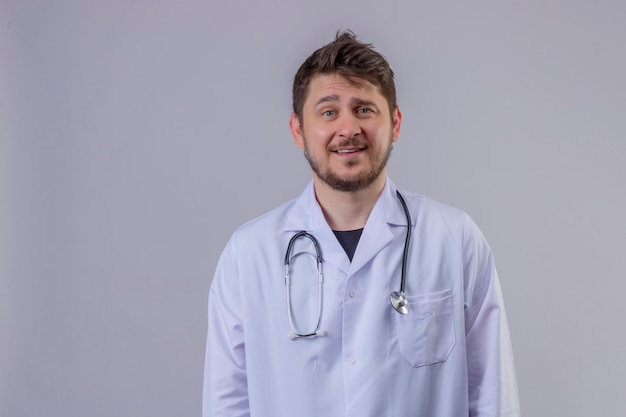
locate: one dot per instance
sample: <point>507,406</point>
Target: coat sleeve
<point>225,391</point>
<point>491,369</point>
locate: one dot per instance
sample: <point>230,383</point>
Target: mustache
<point>347,143</point>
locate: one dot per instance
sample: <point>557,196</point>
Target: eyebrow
<point>355,101</point>
<point>327,99</point>
<point>361,102</point>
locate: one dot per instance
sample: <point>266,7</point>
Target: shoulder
<point>436,217</point>
<point>430,211</point>
<point>260,232</point>
<point>273,219</point>
<point>426,204</point>
<point>253,238</point>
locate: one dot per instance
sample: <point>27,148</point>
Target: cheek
<point>381,133</point>
<point>319,134</point>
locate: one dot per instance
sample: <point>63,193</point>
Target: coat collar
<point>306,214</point>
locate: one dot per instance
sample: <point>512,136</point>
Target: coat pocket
<point>426,334</point>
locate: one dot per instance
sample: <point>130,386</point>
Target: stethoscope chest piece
<point>399,302</point>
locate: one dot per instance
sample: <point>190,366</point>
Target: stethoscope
<point>398,300</point>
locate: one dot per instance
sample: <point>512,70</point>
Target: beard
<point>357,183</point>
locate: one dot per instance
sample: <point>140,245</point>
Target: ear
<point>396,122</point>
<point>296,130</point>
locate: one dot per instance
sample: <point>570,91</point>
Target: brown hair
<point>349,58</point>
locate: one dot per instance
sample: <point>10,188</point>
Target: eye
<point>364,110</point>
<point>328,113</point>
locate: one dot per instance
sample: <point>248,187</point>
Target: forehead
<point>326,85</point>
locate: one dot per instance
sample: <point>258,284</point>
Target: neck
<point>347,210</point>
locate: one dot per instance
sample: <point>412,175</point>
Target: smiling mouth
<point>348,151</point>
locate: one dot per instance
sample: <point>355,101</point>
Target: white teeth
<point>346,150</point>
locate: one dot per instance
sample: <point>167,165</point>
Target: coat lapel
<point>386,214</point>
<point>306,214</point>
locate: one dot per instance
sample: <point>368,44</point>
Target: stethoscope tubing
<point>407,241</point>
<point>398,299</point>
<point>320,280</point>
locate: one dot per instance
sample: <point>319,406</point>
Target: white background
<point>136,135</point>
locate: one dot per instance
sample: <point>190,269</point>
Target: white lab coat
<point>449,357</point>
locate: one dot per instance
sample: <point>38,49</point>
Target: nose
<point>348,126</point>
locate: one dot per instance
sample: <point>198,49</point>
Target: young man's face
<point>346,131</point>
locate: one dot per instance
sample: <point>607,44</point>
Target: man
<point>342,339</point>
